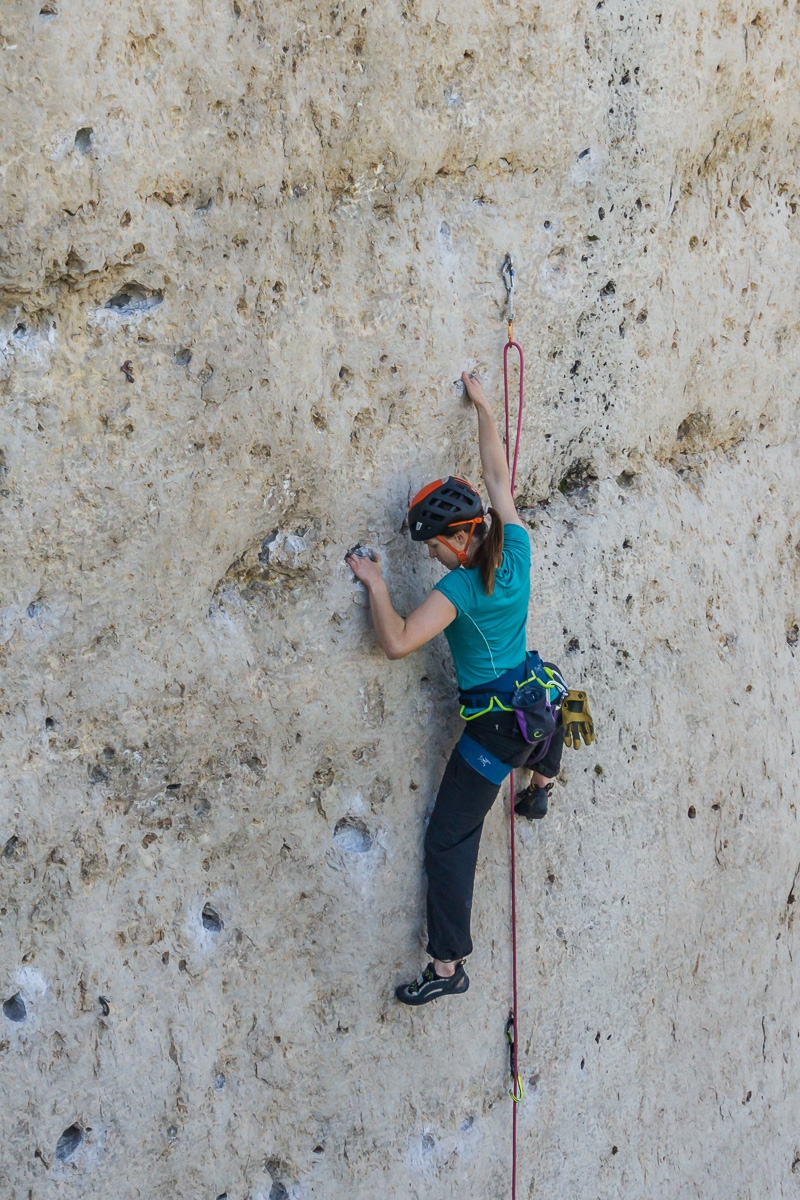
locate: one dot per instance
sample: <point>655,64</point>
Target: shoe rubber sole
<point>433,990</point>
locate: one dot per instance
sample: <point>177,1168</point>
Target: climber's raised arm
<point>493,458</point>
<point>398,635</point>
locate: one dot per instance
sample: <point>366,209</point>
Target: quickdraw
<point>509,281</point>
<point>507,272</point>
<point>517,1091</point>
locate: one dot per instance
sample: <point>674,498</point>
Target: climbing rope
<point>508,279</point>
<point>517,1091</point>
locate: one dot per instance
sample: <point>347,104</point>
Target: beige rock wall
<point>288,220</point>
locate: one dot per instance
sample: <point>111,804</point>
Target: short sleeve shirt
<point>488,636</point>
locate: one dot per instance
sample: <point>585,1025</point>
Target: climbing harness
<point>511,1024</point>
<point>536,699</point>
<point>533,690</point>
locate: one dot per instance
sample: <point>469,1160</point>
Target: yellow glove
<point>577,720</point>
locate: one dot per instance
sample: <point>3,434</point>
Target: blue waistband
<point>482,760</point>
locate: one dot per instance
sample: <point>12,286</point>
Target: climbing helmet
<point>441,505</point>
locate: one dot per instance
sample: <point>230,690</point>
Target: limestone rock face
<point>245,249</point>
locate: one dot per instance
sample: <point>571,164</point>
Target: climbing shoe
<point>532,802</point>
<point>430,986</point>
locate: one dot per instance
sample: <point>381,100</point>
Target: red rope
<point>514,1045</point>
<point>513,468</point>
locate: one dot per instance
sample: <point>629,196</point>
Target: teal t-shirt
<point>488,636</point>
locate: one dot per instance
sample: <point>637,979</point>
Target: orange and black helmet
<point>441,504</point>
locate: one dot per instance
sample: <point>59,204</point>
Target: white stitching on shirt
<point>486,644</point>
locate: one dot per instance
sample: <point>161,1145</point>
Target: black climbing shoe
<point>532,802</point>
<point>429,986</point>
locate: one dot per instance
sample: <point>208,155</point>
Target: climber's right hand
<point>474,389</point>
<point>367,570</point>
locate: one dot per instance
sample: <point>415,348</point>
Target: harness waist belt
<point>500,692</point>
<point>504,685</point>
<point>482,760</point>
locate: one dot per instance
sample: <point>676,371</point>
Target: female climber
<point>482,607</point>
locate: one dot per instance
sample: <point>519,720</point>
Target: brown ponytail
<point>489,555</point>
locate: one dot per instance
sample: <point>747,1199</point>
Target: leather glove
<point>577,720</point>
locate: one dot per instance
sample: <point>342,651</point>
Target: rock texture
<point>246,248</point>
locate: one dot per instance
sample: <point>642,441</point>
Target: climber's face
<point>443,554</point>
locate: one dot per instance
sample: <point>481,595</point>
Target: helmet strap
<point>461,555</point>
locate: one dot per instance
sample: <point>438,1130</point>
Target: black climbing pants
<point>456,824</point>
